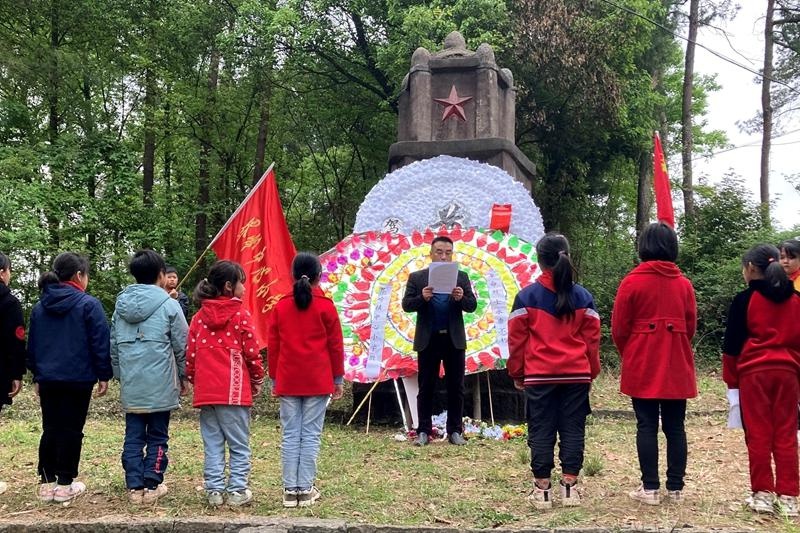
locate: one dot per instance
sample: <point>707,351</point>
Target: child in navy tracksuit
<point>68,352</point>
<point>554,340</point>
<point>761,358</point>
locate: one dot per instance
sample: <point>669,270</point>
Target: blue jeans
<point>220,424</point>
<point>144,452</point>
<point>302,418</point>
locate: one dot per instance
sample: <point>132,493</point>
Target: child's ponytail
<point>214,284</point>
<point>306,270</point>
<point>766,258</point>
<point>552,252</point>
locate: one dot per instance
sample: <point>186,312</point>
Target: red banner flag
<point>256,236</point>
<point>664,211</point>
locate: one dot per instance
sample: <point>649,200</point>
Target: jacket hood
<point>661,268</point>
<point>60,298</point>
<point>218,312</point>
<point>137,302</point>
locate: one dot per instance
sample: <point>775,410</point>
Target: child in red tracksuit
<point>554,341</point>
<point>761,358</point>
<point>652,324</point>
<point>224,365</point>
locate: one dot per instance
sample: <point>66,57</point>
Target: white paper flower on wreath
<point>447,191</point>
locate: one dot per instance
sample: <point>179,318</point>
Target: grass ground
<point>374,478</point>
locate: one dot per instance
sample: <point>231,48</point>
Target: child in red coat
<point>306,365</point>
<point>652,323</point>
<point>761,358</point>
<point>224,365</point>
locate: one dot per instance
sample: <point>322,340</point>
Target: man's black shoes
<point>457,439</point>
<point>422,439</point>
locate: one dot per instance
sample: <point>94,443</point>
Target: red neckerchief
<point>74,284</point>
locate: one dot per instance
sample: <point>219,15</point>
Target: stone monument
<point>460,103</point>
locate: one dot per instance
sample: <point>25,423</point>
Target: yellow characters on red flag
<point>664,210</point>
<point>257,237</point>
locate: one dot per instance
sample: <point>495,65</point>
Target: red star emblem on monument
<point>453,104</point>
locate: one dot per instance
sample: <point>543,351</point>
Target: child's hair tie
<point>304,277</point>
<point>771,260</point>
<point>562,252</point>
<point>205,280</point>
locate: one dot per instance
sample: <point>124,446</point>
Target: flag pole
<point>241,205</point>
<point>186,276</point>
<point>227,223</point>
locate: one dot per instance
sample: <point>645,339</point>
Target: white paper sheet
<point>443,277</point>
<point>734,412</point>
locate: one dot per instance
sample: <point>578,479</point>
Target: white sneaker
<point>541,498</point>
<point>646,496</point>
<point>306,498</point>
<point>788,506</point>
<point>151,496</point>
<point>761,502</point>
<point>239,497</point>
<point>65,493</point>
<point>675,496</point>
<point>214,498</point>
<point>570,495</point>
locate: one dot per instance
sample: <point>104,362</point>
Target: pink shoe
<point>65,493</point>
<point>46,491</point>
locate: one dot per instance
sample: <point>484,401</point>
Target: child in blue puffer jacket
<point>148,354</point>
<point>68,352</point>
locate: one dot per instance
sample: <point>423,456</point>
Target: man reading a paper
<point>440,294</point>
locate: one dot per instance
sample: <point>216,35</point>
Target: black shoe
<point>457,439</point>
<point>422,439</point>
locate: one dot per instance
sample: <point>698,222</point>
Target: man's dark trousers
<point>440,349</point>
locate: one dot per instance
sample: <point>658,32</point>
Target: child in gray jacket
<point>148,354</point>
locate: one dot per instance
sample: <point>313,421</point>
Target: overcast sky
<point>739,99</point>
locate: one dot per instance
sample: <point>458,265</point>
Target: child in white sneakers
<point>761,358</point>
<point>68,352</point>
<point>224,365</point>
<point>554,344</point>
<point>148,349</point>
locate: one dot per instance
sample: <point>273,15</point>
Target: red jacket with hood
<point>222,357</point>
<point>652,324</point>
<point>306,350</point>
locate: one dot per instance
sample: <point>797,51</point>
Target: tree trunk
<point>91,178</point>
<point>261,141</point>
<point>686,112</point>
<point>53,116</point>
<point>766,111</point>
<point>148,163</point>
<point>169,241</point>
<point>204,174</point>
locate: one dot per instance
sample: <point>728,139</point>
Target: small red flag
<point>256,236</point>
<point>664,210</point>
<point>501,217</point>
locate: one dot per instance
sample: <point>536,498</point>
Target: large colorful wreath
<point>369,270</point>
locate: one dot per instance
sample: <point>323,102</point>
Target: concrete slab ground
<point>294,525</point>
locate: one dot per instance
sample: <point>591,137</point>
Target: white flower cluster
<point>447,190</point>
